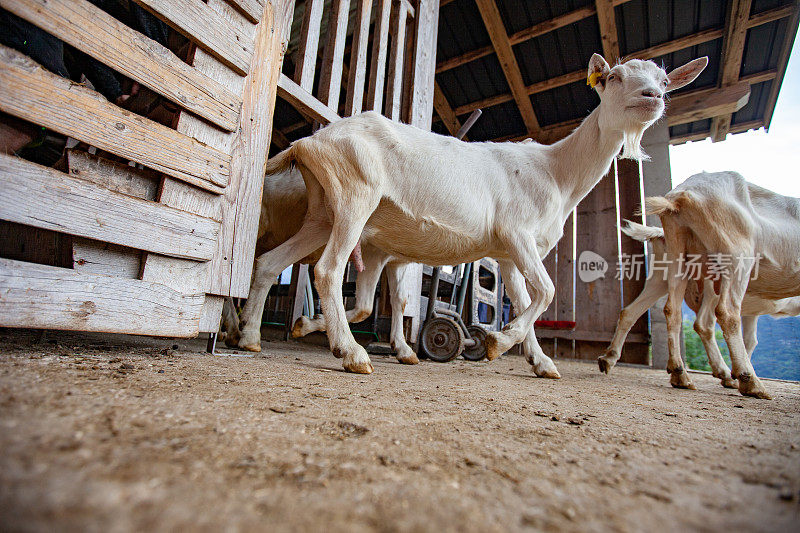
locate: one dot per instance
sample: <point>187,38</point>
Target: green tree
<point>696,357</point>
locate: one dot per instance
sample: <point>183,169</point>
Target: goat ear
<point>598,70</point>
<point>686,74</point>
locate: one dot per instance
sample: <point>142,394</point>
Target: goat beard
<point>355,257</point>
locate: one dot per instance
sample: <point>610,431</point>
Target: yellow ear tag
<point>593,77</point>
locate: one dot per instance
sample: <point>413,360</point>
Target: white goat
<point>701,299</point>
<point>427,198</point>
<point>283,208</point>
<point>720,214</point>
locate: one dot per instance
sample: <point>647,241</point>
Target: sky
<point>771,160</point>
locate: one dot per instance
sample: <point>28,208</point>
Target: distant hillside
<point>776,356</point>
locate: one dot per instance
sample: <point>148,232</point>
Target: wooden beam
<point>228,41</point>
<point>358,59</point>
<point>306,56</point>
<point>608,29</point>
<point>394,79</point>
<point>252,9</point>
<point>305,102</point>
<point>771,15</point>
<point>330,79</point>
<point>783,61</point>
<point>699,136</point>
<point>444,111</point>
<point>526,34</point>
<point>732,50</point>
<point>508,62</point>
<point>377,71</point>
<point>40,296</point>
<point>45,198</point>
<point>30,92</point>
<point>707,103</point>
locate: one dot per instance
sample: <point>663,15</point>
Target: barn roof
<point>524,63</point>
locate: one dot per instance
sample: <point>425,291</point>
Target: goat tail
<point>281,162</point>
<point>642,233</point>
<point>658,205</point>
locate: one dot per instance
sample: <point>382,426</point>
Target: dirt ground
<point>111,433</point>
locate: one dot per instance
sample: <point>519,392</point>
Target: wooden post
<point>629,204</point>
<point>657,181</point>
<point>597,303</point>
<point>565,287</point>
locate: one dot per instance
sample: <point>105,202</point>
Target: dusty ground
<point>102,436</point>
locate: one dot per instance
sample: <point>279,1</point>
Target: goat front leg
<point>397,337</point>
<point>525,266</point>
<point>728,311</point>
<point>705,326</point>
<point>366,282</point>
<point>654,288</point>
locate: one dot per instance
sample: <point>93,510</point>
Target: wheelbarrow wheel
<point>477,352</point>
<point>441,339</point>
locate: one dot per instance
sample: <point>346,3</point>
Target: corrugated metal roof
<point>641,24</point>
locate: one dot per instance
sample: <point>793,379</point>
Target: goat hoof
<point>410,359</point>
<point>750,385</point>
<point>359,368</point>
<point>549,374</point>
<point>299,327</point>
<point>680,380</point>
<point>606,362</point>
<point>232,339</point>
<point>496,345</point>
<point>251,347</point>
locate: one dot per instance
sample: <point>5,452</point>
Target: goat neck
<point>580,160</point>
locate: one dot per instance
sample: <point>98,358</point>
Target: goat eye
<point>612,77</point>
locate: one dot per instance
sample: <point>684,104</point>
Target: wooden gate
<point>150,233</point>
<point>158,240</point>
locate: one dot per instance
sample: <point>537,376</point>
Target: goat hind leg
<point>348,223</point>
<point>269,265</point>
<point>654,288</point>
<point>705,326</point>
<point>230,323</point>
<point>397,337</point>
<point>366,282</point>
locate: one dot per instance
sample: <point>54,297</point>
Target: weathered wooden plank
<point>565,285</point>
<point>94,257</point>
<point>305,102</point>
<point>211,313</point>
<point>377,71</point>
<point>394,81</point>
<point>358,59</point>
<point>182,275</point>
<point>39,296</point>
<point>32,93</point>
<point>112,175</point>
<point>45,198</point>
<point>590,341</point>
<point>103,37</point>
<point>306,59</point>
<point>330,79</point>
<point>250,152</point>
<point>252,9</point>
<point>230,42</point>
